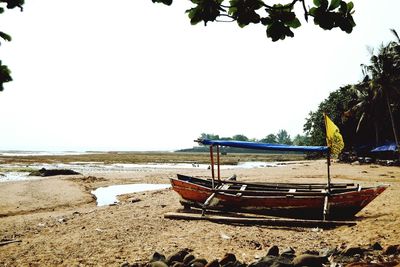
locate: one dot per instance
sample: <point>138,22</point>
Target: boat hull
<point>287,202</point>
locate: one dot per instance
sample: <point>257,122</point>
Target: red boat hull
<point>342,205</point>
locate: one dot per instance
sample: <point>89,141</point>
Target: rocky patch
<point>371,256</point>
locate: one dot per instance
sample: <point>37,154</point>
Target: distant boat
<point>295,200</point>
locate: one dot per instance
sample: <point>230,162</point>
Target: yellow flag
<point>334,139</point>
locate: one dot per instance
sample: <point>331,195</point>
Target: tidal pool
<point>108,195</point>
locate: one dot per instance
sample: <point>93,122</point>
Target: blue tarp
<point>263,146</point>
<point>388,147</point>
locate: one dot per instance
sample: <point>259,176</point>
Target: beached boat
<point>311,201</point>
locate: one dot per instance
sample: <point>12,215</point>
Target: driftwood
<point>271,221</point>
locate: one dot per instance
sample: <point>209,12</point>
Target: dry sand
<point>58,223</point>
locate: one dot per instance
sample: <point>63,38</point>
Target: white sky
<point>133,75</point>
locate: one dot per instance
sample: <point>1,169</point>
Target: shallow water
<point>108,195</point>
<point>14,176</point>
<point>87,167</point>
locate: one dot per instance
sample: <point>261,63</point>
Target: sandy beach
<point>57,223</point>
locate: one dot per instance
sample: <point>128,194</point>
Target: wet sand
<point>57,221</point>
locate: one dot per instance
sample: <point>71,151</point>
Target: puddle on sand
<point>108,195</point>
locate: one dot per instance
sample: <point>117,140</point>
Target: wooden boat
<point>311,201</point>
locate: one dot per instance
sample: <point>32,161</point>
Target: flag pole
<point>328,157</point>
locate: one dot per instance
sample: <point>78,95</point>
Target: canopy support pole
<point>325,211</point>
<point>212,165</point>
<point>328,163</point>
<point>218,165</point>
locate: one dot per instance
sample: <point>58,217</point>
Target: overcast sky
<point>133,75</point>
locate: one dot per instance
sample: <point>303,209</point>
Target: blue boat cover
<point>263,146</point>
<point>388,147</point>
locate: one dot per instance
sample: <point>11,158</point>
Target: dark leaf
<point>14,3</point>
<point>206,10</point>
<point>165,2</point>
<point>334,4</point>
<point>294,23</point>
<point>350,6</point>
<point>5,75</point>
<point>278,31</point>
<point>317,3</point>
<point>266,21</point>
<point>5,36</point>
<point>244,11</point>
<point>343,7</point>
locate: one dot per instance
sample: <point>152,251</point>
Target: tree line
<point>281,137</point>
<point>368,112</point>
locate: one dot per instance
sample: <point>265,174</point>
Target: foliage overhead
<point>279,20</point>
<point>5,73</point>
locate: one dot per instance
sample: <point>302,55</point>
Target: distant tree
<point>283,137</point>
<point>240,137</point>
<point>301,140</point>
<point>209,136</point>
<point>278,19</point>
<point>270,139</point>
<point>334,106</point>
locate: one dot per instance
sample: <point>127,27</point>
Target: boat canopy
<point>263,146</point>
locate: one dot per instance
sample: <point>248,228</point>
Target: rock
<point>44,172</point>
<point>327,252</point>
<point>213,263</point>
<point>288,251</point>
<point>273,261</point>
<point>239,264</point>
<point>392,250</point>
<point>263,262</point>
<point>229,257</point>
<point>377,246</point>
<point>198,262</point>
<point>157,257</point>
<point>273,251</point>
<point>125,264</point>
<point>158,264</point>
<point>188,258</point>
<point>178,264</point>
<point>364,264</point>
<point>351,251</point>
<point>179,256</point>
<point>311,252</point>
<point>309,260</point>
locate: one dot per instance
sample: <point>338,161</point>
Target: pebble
<point>309,260</point>
<point>273,251</point>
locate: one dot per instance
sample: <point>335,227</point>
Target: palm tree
<point>368,108</point>
<point>383,77</point>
